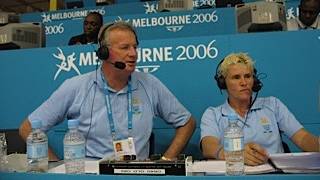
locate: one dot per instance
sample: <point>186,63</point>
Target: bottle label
<point>74,151</point>
<point>37,150</point>
<point>233,144</point>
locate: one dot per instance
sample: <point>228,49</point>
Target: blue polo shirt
<point>263,122</point>
<point>82,98</point>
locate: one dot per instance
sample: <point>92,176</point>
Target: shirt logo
<point>66,64</point>
<point>136,106</point>
<point>266,125</point>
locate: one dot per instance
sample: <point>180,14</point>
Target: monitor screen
<point>74,4</point>
<point>227,3</point>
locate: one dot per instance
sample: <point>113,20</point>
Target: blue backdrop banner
<point>287,63</point>
<point>155,26</point>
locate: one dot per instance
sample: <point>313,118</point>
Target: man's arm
<point>24,131</point>
<point>306,141</point>
<point>182,136</point>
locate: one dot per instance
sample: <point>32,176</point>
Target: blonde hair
<point>235,58</point>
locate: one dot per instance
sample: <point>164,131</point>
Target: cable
<point>91,112</point>
<point>250,106</point>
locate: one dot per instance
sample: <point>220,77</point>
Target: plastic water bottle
<point>37,149</point>
<point>74,149</point>
<point>234,147</point>
<point>3,153</point>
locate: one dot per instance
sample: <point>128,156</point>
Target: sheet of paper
<point>91,167</point>
<point>17,162</point>
<point>264,168</point>
<point>297,162</point>
<point>216,167</point>
<point>210,166</point>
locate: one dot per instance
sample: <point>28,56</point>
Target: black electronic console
<point>155,167</point>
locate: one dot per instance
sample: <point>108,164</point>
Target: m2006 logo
<point>54,29</point>
<point>66,64</point>
<point>149,59</point>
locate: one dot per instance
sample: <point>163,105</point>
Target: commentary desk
<point>51,176</point>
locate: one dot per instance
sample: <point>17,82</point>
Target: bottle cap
<point>35,124</point>
<point>73,123</point>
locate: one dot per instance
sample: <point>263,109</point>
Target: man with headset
<point>116,104</point>
<point>261,119</point>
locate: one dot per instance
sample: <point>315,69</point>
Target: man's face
<point>91,25</point>
<point>308,12</point>
<point>123,47</point>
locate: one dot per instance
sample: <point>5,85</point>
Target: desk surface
<point>50,176</point>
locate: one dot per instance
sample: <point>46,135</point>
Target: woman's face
<point>239,81</point>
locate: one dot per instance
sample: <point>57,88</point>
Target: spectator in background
<point>308,16</point>
<point>91,26</point>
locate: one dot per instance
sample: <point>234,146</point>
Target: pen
<point>274,166</point>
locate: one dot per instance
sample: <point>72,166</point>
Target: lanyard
<point>109,110</point>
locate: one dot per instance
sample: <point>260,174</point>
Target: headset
<point>103,51</point>
<point>221,82</point>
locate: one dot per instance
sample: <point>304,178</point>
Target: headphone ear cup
<point>103,53</point>
<point>220,81</point>
<point>257,84</point>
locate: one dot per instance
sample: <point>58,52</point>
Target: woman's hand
<point>254,154</point>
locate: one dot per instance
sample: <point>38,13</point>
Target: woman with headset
<point>261,119</point>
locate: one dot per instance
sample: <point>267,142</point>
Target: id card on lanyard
<point>121,146</point>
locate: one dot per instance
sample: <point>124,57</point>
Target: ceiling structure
<point>24,6</point>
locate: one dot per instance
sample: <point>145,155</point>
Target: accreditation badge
<point>124,148</point>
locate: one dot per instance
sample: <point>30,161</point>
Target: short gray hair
<point>104,32</point>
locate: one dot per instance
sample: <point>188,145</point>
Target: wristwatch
<point>165,158</point>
